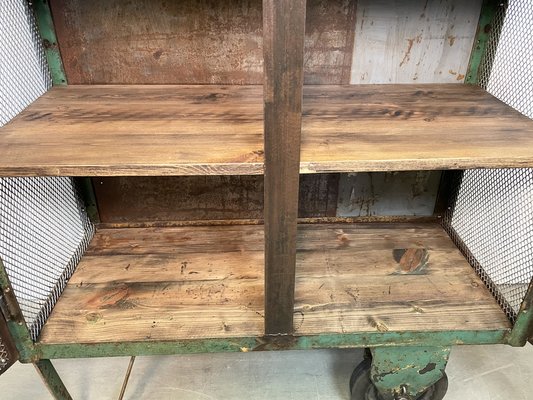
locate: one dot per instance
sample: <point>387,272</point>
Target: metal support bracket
<point>407,372</point>
<point>52,380</point>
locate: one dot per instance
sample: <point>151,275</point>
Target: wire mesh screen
<point>492,218</point>
<point>24,73</point>
<point>44,231</point>
<point>491,221</point>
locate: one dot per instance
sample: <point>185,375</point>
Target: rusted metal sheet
<point>329,40</point>
<point>422,41</point>
<point>144,199</point>
<point>191,41</point>
<point>388,193</point>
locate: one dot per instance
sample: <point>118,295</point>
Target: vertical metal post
<point>523,327</point>
<point>15,320</point>
<point>51,379</point>
<point>485,30</point>
<point>43,16</point>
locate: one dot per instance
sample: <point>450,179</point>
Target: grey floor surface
<point>475,373</point>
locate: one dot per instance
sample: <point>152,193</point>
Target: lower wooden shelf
<point>173,283</point>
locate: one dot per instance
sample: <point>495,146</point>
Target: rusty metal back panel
<point>143,199</point>
<point>191,41</point>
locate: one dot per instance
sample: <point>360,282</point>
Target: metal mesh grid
<point>508,62</point>
<point>491,221</point>
<point>24,74</point>
<point>492,217</point>
<point>44,231</point>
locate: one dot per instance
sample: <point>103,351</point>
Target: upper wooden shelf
<point>217,130</point>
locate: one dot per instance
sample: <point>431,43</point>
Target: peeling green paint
<point>15,321</point>
<point>523,327</point>
<point>43,16</point>
<point>489,10</point>
<point>407,370</point>
<point>267,343</point>
<point>52,380</point>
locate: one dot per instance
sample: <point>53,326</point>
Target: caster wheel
<point>362,388</point>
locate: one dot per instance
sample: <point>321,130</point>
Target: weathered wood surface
<point>148,284</point>
<point>418,41</point>
<point>283,35</point>
<point>192,41</point>
<point>214,130</point>
<point>191,198</point>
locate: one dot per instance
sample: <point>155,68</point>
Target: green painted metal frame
<point>407,372</point>
<point>45,23</point>
<point>266,343</point>
<point>30,352</point>
<point>16,324</point>
<point>489,10</point>
<point>52,380</point>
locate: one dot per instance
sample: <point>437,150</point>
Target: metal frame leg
<point>407,372</point>
<point>51,379</point>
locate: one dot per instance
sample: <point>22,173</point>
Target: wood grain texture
<point>192,41</point>
<point>218,130</point>
<point>283,36</point>
<point>149,284</point>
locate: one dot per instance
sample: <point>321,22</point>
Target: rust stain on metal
<point>410,43</point>
<point>191,41</point>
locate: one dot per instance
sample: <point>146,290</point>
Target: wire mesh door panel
<point>491,219</point>
<point>44,231</point>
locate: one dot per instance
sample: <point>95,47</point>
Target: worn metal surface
<point>407,370</point>
<point>14,319</point>
<point>45,23</point>
<point>51,379</point>
<point>523,327</point>
<point>8,351</point>
<point>86,190</point>
<point>245,344</point>
<point>388,193</point>
<point>486,42</point>
<point>192,41</point>
<point>144,199</point>
<point>422,41</point>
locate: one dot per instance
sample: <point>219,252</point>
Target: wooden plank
<point>191,41</point>
<point>218,130</point>
<point>150,284</point>
<point>283,35</point>
<point>420,41</point>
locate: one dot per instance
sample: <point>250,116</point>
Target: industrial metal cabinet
<point>110,247</point>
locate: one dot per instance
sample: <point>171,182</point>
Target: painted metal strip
<point>267,343</point>
<point>15,320</point>
<point>45,24</point>
<point>523,327</point>
<point>489,10</point>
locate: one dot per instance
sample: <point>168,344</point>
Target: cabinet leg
<point>409,372</point>
<point>52,380</point>
<point>401,373</point>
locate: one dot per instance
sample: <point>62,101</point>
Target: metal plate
<point>8,352</point>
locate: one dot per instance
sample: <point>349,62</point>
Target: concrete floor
<point>475,373</point>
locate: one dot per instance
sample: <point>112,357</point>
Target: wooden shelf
<point>172,283</point>
<point>217,130</point>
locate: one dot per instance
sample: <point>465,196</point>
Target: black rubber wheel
<point>362,388</point>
